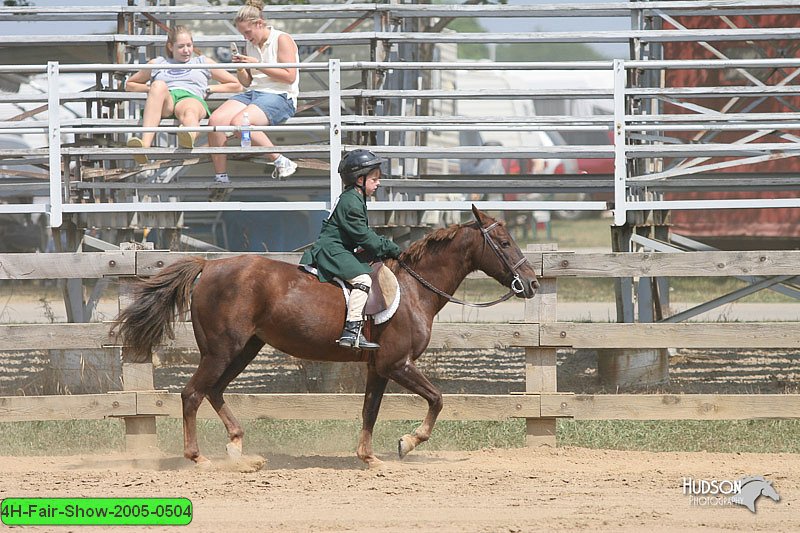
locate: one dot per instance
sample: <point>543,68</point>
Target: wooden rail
<point>445,336</point>
<point>410,407</point>
<point>549,264</point>
<point>685,264</point>
<point>454,335</point>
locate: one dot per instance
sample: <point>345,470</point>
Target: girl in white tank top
<point>268,53</point>
<point>270,96</point>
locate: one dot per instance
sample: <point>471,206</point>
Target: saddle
<point>384,295</point>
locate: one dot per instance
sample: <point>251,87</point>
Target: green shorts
<point>180,94</point>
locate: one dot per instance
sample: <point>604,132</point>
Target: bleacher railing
<point>630,138</point>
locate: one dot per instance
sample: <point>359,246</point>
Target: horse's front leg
<point>376,385</point>
<point>415,381</point>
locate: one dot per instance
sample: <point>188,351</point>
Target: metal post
<point>620,163</point>
<point>335,132</point>
<point>54,143</point>
<point>623,287</point>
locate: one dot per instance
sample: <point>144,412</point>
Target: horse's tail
<point>155,308</point>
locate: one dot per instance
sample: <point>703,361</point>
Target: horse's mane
<point>432,242</point>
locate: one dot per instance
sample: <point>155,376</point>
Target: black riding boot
<point>352,337</point>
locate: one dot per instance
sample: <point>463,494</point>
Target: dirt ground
<point>567,489</point>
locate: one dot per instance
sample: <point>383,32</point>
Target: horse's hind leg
<point>191,398</point>
<point>235,430</point>
<point>215,359</point>
<point>415,381</point>
<point>376,385</point>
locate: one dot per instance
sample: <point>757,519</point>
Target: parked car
<point>516,108</point>
<point>596,165</point>
<point>503,107</point>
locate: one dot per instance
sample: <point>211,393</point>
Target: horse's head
<point>769,491</point>
<point>501,258</point>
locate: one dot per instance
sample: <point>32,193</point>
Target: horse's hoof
<point>234,451</point>
<point>405,445</point>
<point>202,463</point>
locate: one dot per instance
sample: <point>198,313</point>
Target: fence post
<point>540,362</point>
<point>140,431</point>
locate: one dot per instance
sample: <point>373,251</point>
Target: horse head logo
<point>752,488</point>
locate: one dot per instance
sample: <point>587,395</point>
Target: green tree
<point>520,51</point>
<point>469,51</point>
<point>547,52</point>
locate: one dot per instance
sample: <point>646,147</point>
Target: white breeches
<point>358,298</point>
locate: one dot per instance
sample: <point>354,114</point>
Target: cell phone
<point>234,49</point>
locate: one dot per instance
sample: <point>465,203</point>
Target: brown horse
<point>240,304</point>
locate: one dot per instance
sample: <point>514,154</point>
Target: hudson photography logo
<point>727,493</point>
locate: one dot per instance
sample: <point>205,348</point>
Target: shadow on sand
<point>249,463</point>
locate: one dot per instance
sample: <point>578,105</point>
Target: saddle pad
<point>390,289</point>
<point>389,286</point>
<point>387,281</point>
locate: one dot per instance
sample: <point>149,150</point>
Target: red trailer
<point>739,228</point>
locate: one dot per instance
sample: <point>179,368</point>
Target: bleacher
<point>376,75</point>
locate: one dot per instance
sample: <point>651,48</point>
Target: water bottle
<point>246,131</point>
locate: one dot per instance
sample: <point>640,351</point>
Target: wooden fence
<point>539,333</point>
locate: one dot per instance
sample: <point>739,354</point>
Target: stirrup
<point>352,337</point>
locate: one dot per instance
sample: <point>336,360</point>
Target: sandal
<point>185,139</point>
<point>136,142</point>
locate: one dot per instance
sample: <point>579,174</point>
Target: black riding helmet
<point>358,163</point>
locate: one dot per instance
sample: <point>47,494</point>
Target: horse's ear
<point>477,213</point>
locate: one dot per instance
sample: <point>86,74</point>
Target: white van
<point>504,107</point>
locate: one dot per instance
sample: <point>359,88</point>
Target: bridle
<point>517,286</point>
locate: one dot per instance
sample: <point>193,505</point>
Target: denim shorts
<point>278,107</point>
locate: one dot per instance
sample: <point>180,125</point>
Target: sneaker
<point>220,191</point>
<point>185,139</point>
<point>136,142</point>
<point>284,167</point>
<point>219,195</point>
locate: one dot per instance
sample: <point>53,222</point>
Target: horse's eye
<point>505,244</point>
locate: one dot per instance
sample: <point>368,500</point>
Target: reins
<point>516,283</point>
<point>450,297</point>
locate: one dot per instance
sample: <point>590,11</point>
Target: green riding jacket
<point>343,232</point>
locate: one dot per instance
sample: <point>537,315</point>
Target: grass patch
<point>721,436</point>
<point>683,289</point>
<point>297,437</point>
<point>571,234</point>
<point>61,437</point>
<point>335,436</point>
